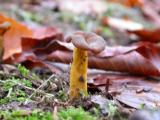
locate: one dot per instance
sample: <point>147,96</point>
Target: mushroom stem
<point>78,73</point>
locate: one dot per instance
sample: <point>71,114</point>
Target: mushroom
<point>83,42</point>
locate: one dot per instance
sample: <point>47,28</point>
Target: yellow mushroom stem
<point>78,73</point>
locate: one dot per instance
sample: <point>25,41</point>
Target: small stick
<point>29,88</point>
<point>39,88</point>
<point>9,92</point>
<point>55,117</point>
<point>108,95</point>
<point>107,86</point>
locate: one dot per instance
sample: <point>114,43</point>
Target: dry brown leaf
<point>140,59</point>
<point>147,35</point>
<point>12,37</point>
<point>133,91</point>
<point>121,24</point>
<point>47,45</point>
<point>19,36</point>
<point>129,3</point>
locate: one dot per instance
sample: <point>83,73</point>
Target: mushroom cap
<point>87,41</point>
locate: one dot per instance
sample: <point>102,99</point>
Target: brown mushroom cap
<point>87,41</point>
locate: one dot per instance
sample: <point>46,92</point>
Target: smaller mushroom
<point>83,42</point>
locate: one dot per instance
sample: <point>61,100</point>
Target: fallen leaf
<point>147,35</point>
<point>140,59</point>
<point>151,11</point>
<point>121,24</point>
<point>42,37</point>
<point>37,47</point>
<point>124,88</point>
<point>3,27</point>
<point>25,38</point>
<point>145,115</point>
<point>12,37</point>
<point>102,102</point>
<point>129,3</point>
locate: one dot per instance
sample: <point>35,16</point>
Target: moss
<point>75,114</point>
<point>25,115</point>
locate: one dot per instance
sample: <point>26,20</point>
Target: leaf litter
<point>134,85</point>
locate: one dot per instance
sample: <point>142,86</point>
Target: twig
<point>107,86</point>
<point>9,92</point>
<point>108,95</point>
<point>33,89</point>
<point>39,88</point>
<point>55,117</point>
<point>29,88</point>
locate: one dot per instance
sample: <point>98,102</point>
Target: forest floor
<point>40,94</point>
